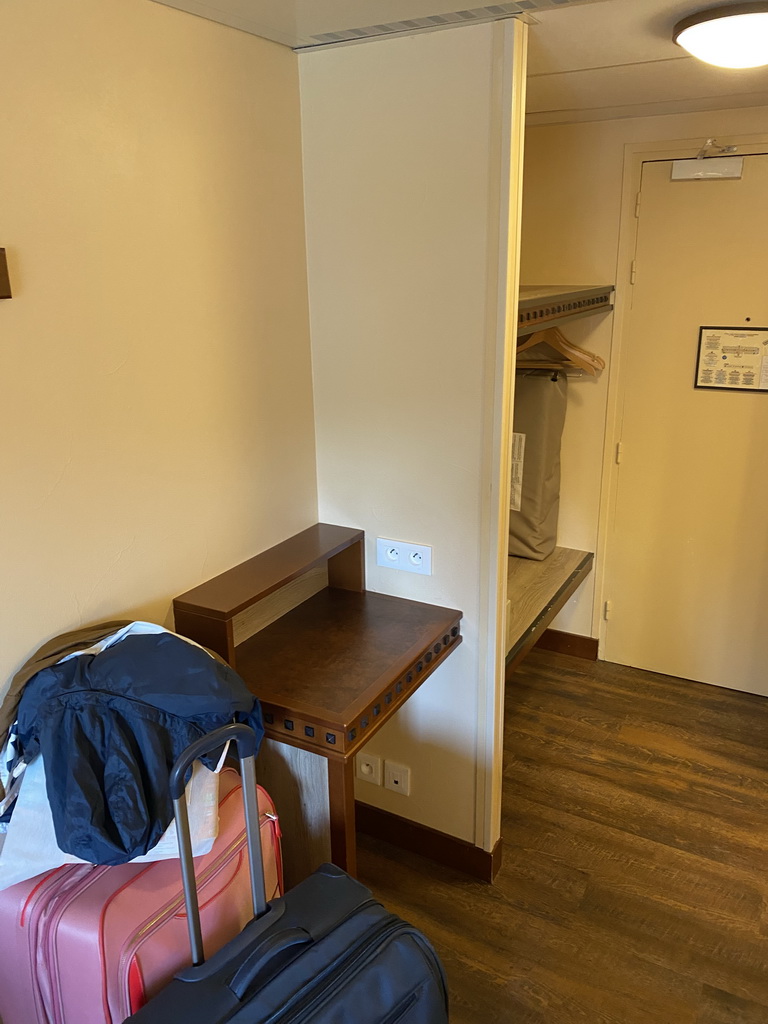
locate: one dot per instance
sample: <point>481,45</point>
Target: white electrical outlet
<point>397,777</point>
<point>395,554</point>
<point>416,558</point>
<point>368,768</point>
<point>387,553</point>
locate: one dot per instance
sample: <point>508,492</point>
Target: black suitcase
<point>325,953</point>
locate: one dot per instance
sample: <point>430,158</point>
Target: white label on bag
<point>518,457</point>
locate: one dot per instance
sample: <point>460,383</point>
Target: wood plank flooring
<point>634,886</point>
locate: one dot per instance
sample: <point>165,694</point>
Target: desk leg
<point>341,800</point>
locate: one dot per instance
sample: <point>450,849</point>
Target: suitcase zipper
<point>46,960</point>
<point>144,933</point>
<point>34,921</point>
<point>334,977</point>
<point>401,1009</point>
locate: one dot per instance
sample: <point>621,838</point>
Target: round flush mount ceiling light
<point>735,36</point>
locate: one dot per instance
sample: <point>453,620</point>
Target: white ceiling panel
<point>305,23</point>
<point>588,59</point>
<point>622,32</point>
<point>686,79</point>
<point>618,60</point>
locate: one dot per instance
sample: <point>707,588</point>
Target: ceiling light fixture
<point>735,36</point>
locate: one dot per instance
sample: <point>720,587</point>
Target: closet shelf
<point>536,591</point>
<point>545,305</point>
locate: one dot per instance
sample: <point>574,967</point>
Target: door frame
<point>635,155</point>
<point>505,216</point>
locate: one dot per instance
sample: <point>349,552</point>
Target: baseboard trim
<point>568,643</point>
<point>428,842</point>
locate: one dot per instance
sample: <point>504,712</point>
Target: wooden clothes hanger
<point>574,354</point>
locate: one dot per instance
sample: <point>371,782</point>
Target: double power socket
<point>400,554</point>
<point>371,768</point>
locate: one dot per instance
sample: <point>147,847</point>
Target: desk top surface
<point>346,660</point>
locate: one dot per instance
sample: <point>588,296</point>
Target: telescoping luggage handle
<point>245,738</point>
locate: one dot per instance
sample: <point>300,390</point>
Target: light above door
<point>734,36</point>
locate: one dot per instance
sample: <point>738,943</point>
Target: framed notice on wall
<point>732,359</point>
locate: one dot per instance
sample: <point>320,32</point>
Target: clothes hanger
<point>574,355</point>
<point>553,337</point>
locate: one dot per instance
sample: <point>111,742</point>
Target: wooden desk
<point>330,662</point>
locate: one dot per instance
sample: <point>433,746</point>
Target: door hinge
<point>633,272</point>
<point>638,197</point>
<point>619,452</point>
<point>607,610</point>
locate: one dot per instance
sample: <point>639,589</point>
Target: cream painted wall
<point>156,420</point>
<point>572,194</point>
<point>403,172</point>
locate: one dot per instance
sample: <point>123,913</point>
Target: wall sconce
<point>5,281</point>
<point>734,36</point>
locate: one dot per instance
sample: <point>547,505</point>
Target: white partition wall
<point>410,145</point>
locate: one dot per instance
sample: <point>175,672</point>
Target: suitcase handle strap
<point>269,957</point>
<point>247,743</point>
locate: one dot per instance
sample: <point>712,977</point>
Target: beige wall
<point>571,213</point>
<point>156,420</point>
<point>402,143</point>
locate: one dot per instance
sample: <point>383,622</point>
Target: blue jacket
<point>110,726</point>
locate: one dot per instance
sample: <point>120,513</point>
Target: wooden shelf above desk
<point>329,661</point>
<point>228,609</point>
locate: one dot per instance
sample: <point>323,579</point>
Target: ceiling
<point>588,59</point>
<point>310,23</point>
<point>617,59</point>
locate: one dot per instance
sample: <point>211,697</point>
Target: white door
<point>687,555</point>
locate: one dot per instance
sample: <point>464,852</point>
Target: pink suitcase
<point>90,945</point>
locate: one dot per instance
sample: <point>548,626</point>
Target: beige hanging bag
<point>540,404</point>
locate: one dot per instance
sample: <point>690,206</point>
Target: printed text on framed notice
<point>732,358</point>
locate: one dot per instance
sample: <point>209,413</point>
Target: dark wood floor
<point>634,885</point>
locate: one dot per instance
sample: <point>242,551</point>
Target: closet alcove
<point>537,590</point>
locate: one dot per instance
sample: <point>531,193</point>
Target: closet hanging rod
<point>569,369</point>
<point>543,305</point>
